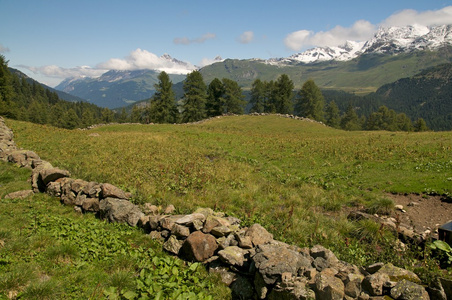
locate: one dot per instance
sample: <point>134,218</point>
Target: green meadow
<point>278,171</point>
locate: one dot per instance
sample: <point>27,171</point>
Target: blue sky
<point>53,39</point>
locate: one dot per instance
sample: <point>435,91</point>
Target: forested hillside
<point>22,100</point>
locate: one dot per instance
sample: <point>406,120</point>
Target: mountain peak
<point>391,40</point>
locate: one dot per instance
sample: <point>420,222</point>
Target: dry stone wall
<point>248,259</point>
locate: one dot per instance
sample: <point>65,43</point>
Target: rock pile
<point>248,259</point>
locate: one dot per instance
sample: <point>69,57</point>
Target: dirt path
<point>423,212</point>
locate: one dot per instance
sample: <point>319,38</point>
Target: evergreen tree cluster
<point>198,102</point>
<point>278,97</point>
<point>30,101</point>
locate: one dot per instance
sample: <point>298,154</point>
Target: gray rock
<point>353,285</point>
<point>173,245</point>
<point>19,194</point>
<point>48,175</point>
<point>273,260</point>
<point>91,205</point>
<point>244,242</point>
<point>78,185</point>
<point>188,220</point>
<point>151,209</point>
<point>328,255</point>
<point>258,235</point>
<point>397,274</point>
<point>214,221</point>
<point>53,189</point>
<point>220,231</point>
<point>232,255</point>
<point>180,231</point>
<point>111,191</point>
<point>374,268</point>
<point>120,211</point>
<point>156,235</point>
<point>167,222</point>
<point>374,283</point>
<point>328,287</point>
<point>408,290</point>
<point>291,289</point>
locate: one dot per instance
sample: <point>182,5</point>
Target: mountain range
<point>358,67</point>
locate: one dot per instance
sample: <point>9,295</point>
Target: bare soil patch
<point>423,212</point>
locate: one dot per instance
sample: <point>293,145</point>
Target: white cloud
<point>360,31</point>
<point>425,18</point>
<point>59,72</point>
<point>198,40</point>
<point>3,49</point>
<point>363,30</point>
<point>246,37</point>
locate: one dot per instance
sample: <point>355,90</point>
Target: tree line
<point>26,101</point>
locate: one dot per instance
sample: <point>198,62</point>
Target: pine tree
<point>332,115</point>
<point>257,100</point>
<point>6,89</point>
<point>283,95</point>
<point>233,97</point>
<point>195,97</point>
<point>215,100</point>
<point>310,102</point>
<point>270,96</point>
<point>163,107</point>
<point>420,125</point>
<point>350,120</point>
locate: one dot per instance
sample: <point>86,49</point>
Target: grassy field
<point>49,252</point>
<point>295,177</point>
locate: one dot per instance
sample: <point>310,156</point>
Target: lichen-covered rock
<point>120,211</point>
<point>397,274</point>
<point>199,246</point>
<point>173,245</point>
<point>232,255</point>
<point>258,235</point>
<point>167,222</point>
<point>374,283</point>
<point>273,260</point>
<point>220,231</point>
<point>227,277</point>
<point>180,231</point>
<point>408,290</point>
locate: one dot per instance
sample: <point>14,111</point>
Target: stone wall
<point>248,259</point>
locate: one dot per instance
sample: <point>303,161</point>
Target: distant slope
<point>427,95</point>
<point>62,95</point>
<point>361,75</point>
<point>115,88</point>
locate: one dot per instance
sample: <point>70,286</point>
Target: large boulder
<point>120,211</point>
<point>408,290</point>
<point>273,260</point>
<point>258,235</point>
<point>52,174</point>
<point>199,246</point>
<point>397,274</point>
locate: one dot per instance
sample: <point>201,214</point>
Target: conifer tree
<point>332,115</point>
<point>310,102</point>
<point>6,89</point>
<point>233,97</point>
<point>257,100</point>
<point>350,120</point>
<point>420,125</point>
<point>269,92</point>
<point>195,97</point>
<point>215,101</point>
<point>163,108</point>
<point>283,95</point>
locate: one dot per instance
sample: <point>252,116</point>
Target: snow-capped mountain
<point>390,40</point>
